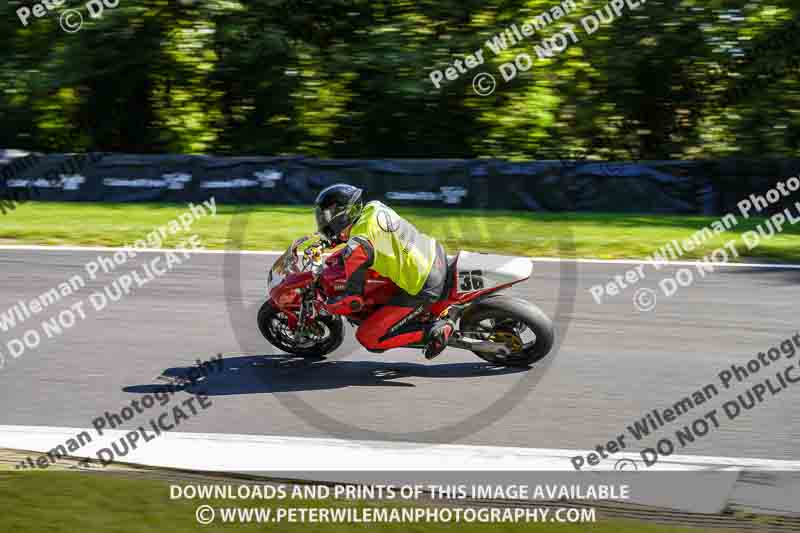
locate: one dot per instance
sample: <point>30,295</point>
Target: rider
<point>379,239</point>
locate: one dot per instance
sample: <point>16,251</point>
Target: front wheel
<point>327,333</point>
<point>523,328</point>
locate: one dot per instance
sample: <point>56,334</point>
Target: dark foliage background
<point>350,78</point>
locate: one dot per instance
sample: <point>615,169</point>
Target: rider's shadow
<point>282,373</point>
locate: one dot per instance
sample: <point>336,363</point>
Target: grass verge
<point>592,235</point>
<point>66,502</point>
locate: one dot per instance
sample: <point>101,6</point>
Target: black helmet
<point>336,207</point>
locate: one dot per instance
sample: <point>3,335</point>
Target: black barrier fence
<point>687,187</point>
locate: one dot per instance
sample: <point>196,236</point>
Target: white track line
<point>304,453</point>
<point>364,461</point>
<point>45,248</point>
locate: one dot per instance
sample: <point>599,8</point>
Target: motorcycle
<point>500,329</point>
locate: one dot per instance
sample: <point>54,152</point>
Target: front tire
<point>273,325</point>
<point>505,319</point>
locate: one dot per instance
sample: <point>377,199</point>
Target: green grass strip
<point>68,502</point>
<point>590,235</point>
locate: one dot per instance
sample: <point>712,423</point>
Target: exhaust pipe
<point>477,345</point>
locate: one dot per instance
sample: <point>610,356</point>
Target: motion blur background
<point>350,78</point>
<point>684,108</point>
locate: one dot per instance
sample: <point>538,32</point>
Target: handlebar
<point>313,255</point>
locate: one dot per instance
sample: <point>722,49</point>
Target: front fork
<point>308,303</point>
<point>308,313</point>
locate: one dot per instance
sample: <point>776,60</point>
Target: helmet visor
<point>324,218</point>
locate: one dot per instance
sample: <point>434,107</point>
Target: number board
<point>470,281</point>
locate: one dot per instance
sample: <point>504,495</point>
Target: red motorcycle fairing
<point>300,283</point>
<point>454,297</point>
<point>287,295</point>
<point>378,290</point>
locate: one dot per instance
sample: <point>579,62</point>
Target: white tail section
<point>477,272</point>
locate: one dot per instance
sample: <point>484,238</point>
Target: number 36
<point>470,281</point>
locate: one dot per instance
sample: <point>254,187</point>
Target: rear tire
<point>502,310</point>
<point>272,327</point>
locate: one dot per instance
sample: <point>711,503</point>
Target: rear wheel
<point>326,335</point>
<point>522,327</point>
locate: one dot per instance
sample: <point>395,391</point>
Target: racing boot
<point>438,335</point>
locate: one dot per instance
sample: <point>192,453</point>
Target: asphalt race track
<point>614,365</point>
